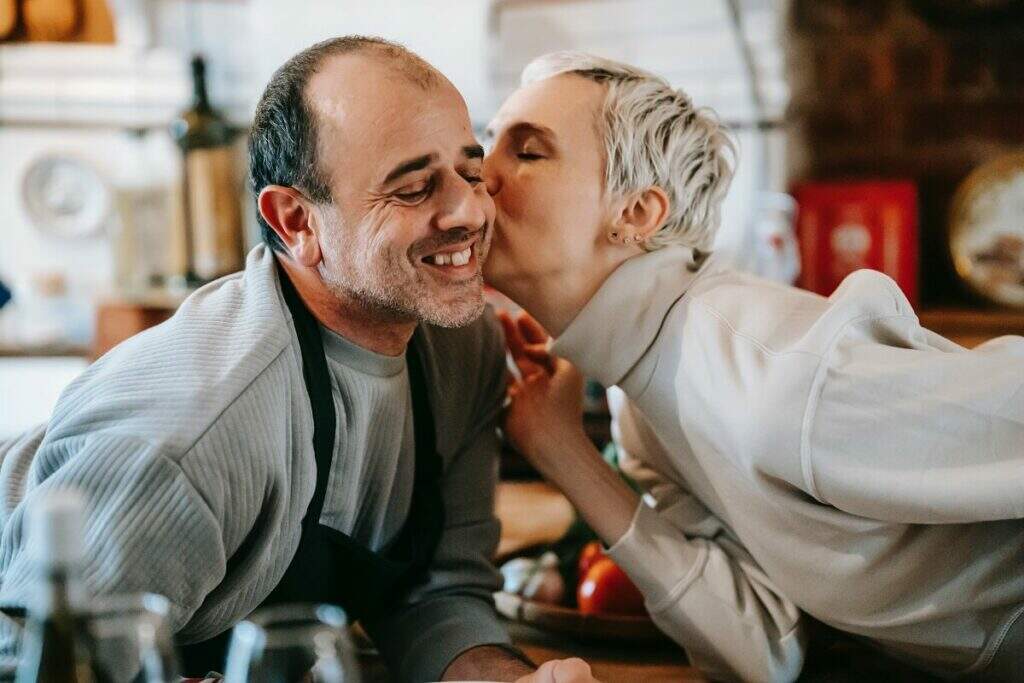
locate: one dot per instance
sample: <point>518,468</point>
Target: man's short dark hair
<point>283,142</point>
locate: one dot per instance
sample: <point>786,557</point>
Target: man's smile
<point>455,261</point>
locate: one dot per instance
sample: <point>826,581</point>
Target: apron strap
<point>318,386</point>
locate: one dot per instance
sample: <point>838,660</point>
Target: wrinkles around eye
<point>414,192</point>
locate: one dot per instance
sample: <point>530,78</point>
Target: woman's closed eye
<point>530,150</point>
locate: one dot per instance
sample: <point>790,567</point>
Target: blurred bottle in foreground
<point>210,205</point>
<point>56,644</point>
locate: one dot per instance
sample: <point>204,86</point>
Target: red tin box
<point>845,226</point>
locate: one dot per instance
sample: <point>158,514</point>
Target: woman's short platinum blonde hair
<point>653,135</point>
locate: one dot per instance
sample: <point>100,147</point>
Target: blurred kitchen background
<point>874,133</point>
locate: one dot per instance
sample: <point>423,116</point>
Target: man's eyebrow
<point>409,166</point>
<point>473,151</point>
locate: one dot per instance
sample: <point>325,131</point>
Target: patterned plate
<point>986,232</point>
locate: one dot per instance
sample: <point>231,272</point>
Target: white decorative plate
<point>986,230</point>
<point>65,196</point>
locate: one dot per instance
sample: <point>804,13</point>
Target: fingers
<point>529,368</point>
<point>573,670</point>
<point>534,340</point>
<point>527,361</point>
<point>528,357</point>
<point>540,357</point>
<point>513,337</point>
<point>530,329</point>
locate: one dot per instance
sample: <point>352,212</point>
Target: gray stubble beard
<point>405,304</point>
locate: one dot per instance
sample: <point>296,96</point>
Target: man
<point>319,427</point>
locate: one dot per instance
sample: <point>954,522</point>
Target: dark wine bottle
<point>56,644</point>
<point>211,211</point>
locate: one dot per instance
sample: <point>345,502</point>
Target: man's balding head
<point>283,140</point>
<point>367,176</point>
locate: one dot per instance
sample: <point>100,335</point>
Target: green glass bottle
<point>211,214</point>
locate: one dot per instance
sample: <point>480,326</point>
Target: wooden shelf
<point>972,326</point>
<point>46,351</point>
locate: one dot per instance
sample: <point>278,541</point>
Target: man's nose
<point>466,210</point>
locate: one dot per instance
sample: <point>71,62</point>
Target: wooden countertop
<point>972,326</point>
<point>534,513</point>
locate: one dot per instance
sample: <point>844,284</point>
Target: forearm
<point>600,495</point>
<point>711,597</point>
<point>488,662</point>
<point>143,510</point>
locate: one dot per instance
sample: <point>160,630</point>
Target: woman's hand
<point>544,422</point>
<point>546,404</point>
<point>528,343</point>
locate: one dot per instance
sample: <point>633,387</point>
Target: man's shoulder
<point>171,382</point>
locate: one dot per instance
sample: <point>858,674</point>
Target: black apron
<point>330,566</point>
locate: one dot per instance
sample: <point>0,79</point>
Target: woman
<point>800,454</point>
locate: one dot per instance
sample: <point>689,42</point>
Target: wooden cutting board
<point>8,17</point>
<point>66,21</point>
<point>50,20</point>
<point>531,513</point>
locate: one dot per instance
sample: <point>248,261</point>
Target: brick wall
<point>884,89</point>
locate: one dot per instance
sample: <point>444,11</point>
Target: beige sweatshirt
<point>804,454</point>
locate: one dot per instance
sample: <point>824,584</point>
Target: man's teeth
<point>461,258</point>
<point>458,258</point>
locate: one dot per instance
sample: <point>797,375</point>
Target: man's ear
<point>641,214</point>
<point>291,216</point>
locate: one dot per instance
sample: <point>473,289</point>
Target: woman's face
<point>545,171</point>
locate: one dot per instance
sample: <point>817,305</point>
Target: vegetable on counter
<point>577,560</point>
<point>606,589</point>
<point>535,579</point>
<point>591,553</point>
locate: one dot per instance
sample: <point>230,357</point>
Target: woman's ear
<point>640,216</point>
<point>291,216</point>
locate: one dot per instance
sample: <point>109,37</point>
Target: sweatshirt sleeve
<point>701,587</point>
<point>711,597</point>
<point>147,529</point>
<point>905,426</point>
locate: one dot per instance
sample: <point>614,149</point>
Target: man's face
<point>411,220</point>
<point>546,173</point>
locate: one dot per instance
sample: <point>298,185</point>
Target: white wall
<point>123,160</point>
<point>450,34</point>
<point>247,41</point>
<point>29,389</point>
